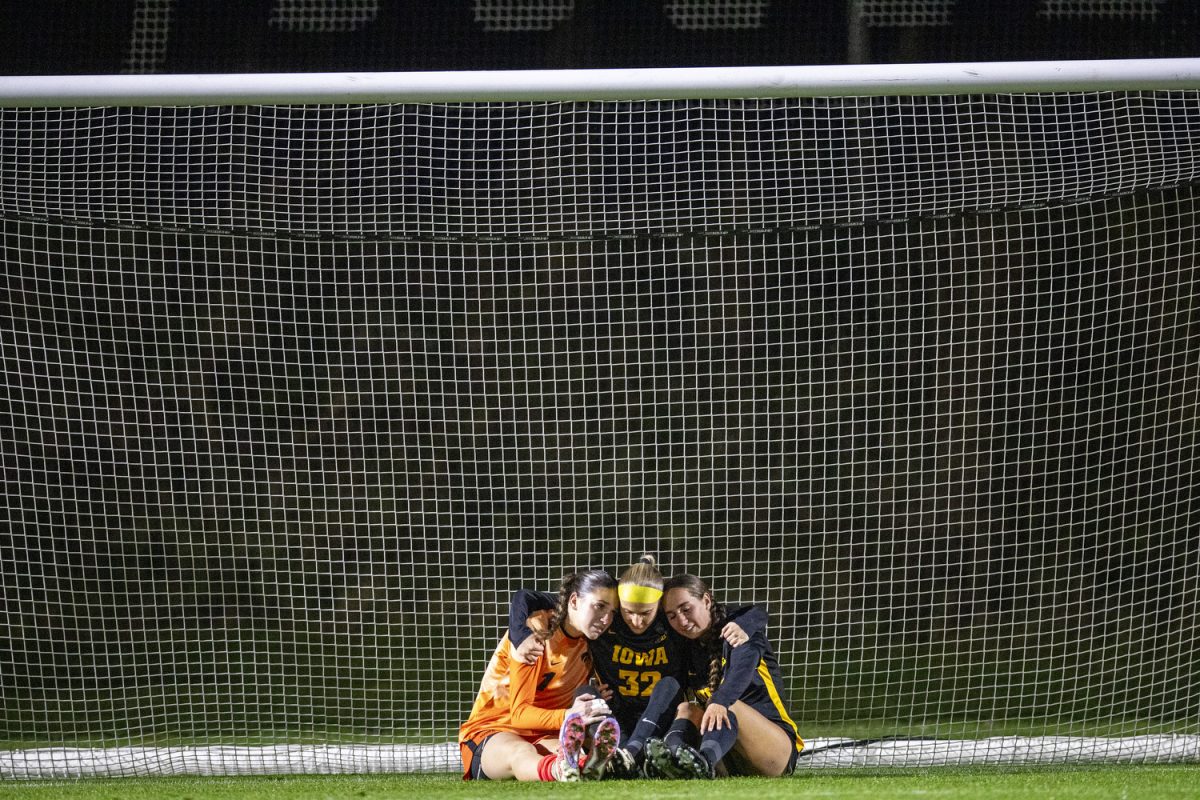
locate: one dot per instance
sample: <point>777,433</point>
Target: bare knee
<point>687,710</point>
<point>507,756</point>
<point>761,742</point>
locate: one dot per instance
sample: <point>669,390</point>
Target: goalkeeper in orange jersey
<point>521,709</point>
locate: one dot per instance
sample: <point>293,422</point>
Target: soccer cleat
<point>564,772</point>
<point>693,763</point>
<point>649,770</point>
<point>623,766</point>
<point>570,748</point>
<point>604,742</point>
<point>659,762</point>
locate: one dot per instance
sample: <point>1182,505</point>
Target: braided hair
<point>710,640</point>
<point>580,583</point>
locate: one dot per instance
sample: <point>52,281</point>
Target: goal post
<point>601,85</point>
<point>304,375</point>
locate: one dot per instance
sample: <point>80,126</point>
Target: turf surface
<point>1043,783</point>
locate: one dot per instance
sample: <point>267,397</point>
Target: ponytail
<point>641,582</point>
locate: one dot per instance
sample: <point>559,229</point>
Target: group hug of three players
<point>642,677</point>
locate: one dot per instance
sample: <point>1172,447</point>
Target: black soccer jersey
<point>750,673</point>
<point>630,663</point>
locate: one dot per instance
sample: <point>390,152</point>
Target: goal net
<point>295,396</point>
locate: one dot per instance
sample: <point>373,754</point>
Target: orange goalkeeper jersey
<point>530,700</point>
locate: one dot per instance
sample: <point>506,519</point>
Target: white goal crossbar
<point>600,84</point>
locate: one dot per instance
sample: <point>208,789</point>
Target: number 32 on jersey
<point>638,682</point>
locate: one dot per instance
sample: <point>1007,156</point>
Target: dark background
<point>59,37</point>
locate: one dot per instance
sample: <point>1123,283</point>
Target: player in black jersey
<point>739,721</point>
<point>635,656</point>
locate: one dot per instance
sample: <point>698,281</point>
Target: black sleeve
<point>524,602</point>
<point>740,669</point>
<point>752,619</point>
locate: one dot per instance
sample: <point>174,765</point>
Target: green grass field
<point>1042,783</point>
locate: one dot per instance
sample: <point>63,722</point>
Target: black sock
<point>682,731</point>
<point>665,694</point>
<point>716,743</point>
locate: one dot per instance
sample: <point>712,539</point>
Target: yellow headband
<point>632,593</point>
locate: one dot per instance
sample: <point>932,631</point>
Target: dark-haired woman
<point>521,708</point>
<point>636,655</point>
<point>740,722</point>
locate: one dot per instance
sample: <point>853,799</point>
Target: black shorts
<point>797,746</point>
<point>471,751</point>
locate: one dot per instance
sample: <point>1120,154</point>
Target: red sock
<point>546,768</point>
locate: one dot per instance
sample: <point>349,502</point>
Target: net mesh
<point>296,396</point>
